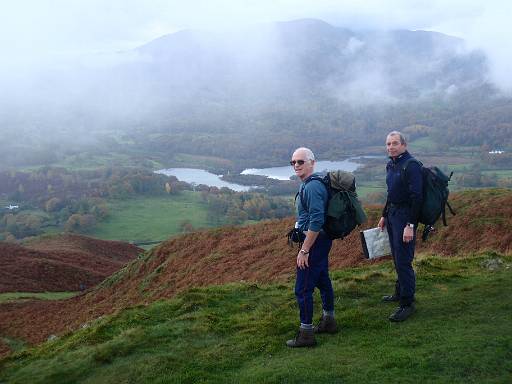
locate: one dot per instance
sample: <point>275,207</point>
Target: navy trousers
<point>316,275</point>
<point>403,254</point>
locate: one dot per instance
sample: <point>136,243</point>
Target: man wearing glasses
<point>312,259</point>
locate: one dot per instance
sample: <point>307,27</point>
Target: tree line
<point>75,201</point>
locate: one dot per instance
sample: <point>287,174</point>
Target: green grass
<point>151,218</point>
<point>17,296</point>
<point>461,333</point>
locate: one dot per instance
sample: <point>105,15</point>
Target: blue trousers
<point>403,254</point>
<point>316,275</point>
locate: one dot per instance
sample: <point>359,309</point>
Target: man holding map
<point>400,217</point>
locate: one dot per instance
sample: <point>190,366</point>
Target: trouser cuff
<point>328,313</point>
<point>406,301</point>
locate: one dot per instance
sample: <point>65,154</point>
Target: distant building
<point>11,207</point>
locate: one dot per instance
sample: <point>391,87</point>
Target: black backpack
<point>435,195</point>
<point>344,210</point>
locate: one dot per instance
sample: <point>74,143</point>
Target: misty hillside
<point>249,70</point>
<point>265,90</point>
<point>307,58</point>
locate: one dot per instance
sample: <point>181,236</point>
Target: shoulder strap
<point>403,174</point>
<point>300,193</point>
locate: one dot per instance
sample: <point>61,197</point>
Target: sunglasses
<point>298,162</point>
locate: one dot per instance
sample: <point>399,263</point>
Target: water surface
<point>284,173</point>
<point>200,176</point>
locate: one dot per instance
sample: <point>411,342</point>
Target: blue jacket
<point>404,190</point>
<point>315,197</point>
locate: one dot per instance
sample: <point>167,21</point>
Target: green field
<point>501,173</point>
<point>146,219</point>
<point>364,188</point>
<point>423,144</point>
<point>203,162</point>
<point>93,161</point>
<point>17,296</point>
<point>461,333</point>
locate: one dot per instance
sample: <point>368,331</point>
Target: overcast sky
<point>38,31</point>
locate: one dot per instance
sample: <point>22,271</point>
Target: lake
<point>284,173</point>
<point>200,176</point>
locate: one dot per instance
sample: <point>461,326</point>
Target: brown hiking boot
<point>327,324</point>
<point>304,338</point>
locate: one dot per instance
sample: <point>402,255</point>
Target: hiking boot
<point>304,338</point>
<point>327,324</point>
<point>402,313</point>
<point>390,298</point>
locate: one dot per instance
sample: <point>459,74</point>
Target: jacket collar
<point>400,157</point>
<point>314,174</point>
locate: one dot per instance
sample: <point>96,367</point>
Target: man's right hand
<point>382,223</point>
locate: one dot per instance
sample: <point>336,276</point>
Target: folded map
<point>375,243</point>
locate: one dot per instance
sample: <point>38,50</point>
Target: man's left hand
<point>302,260</point>
<point>408,234</point>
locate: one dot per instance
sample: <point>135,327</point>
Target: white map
<point>377,242</point>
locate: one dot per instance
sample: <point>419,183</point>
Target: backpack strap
<point>450,207</point>
<point>403,174</point>
<point>300,193</point>
<point>443,215</point>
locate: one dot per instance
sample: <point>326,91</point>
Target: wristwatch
<point>303,251</point>
<point>410,225</point>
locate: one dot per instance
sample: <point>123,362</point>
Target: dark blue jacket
<point>404,190</point>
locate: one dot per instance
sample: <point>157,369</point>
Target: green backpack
<point>435,195</point>
<point>344,210</point>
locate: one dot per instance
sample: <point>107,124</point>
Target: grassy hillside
<point>235,333</point>
<point>145,322</point>
<point>256,253</point>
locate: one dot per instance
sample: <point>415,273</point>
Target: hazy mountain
<point>259,65</point>
<point>272,79</point>
<point>310,57</point>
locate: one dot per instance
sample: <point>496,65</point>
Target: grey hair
<point>308,152</point>
<point>399,134</point>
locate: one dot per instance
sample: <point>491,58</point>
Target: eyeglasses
<point>298,162</point>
